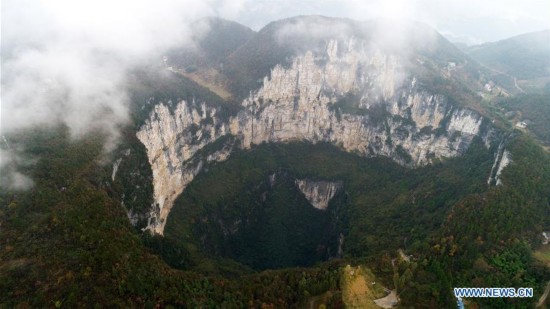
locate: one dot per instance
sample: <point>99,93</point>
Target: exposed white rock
<point>272,180</point>
<point>299,103</point>
<point>295,104</point>
<point>220,155</point>
<point>504,162</point>
<point>318,193</point>
<point>115,168</point>
<point>426,110</point>
<point>502,159</point>
<point>132,217</point>
<point>465,121</point>
<point>498,155</point>
<point>171,140</point>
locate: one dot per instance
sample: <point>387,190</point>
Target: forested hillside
<point>525,56</point>
<point>432,184</point>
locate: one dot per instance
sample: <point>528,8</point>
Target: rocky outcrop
<point>504,162</point>
<point>115,168</point>
<point>350,95</point>
<point>392,116</point>
<point>318,193</point>
<point>172,139</point>
<point>502,159</point>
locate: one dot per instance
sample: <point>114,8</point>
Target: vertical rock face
<point>502,159</point>
<point>350,95</point>
<point>504,162</point>
<point>115,168</point>
<point>171,140</point>
<point>391,116</point>
<point>319,193</point>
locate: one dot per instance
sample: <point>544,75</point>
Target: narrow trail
<point>516,84</point>
<point>542,299</point>
<point>503,73</point>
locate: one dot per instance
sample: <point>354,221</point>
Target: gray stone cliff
<point>349,95</point>
<point>318,193</point>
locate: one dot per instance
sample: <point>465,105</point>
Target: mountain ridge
<point>525,56</point>
<point>436,188</point>
<point>306,100</point>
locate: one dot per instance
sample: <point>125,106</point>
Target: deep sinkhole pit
<point>254,208</point>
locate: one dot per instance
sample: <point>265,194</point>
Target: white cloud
<point>487,20</point>
<point>65,61</point>
<point>313,28</point>
<point>11,178</point>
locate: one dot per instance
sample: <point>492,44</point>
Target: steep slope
<point>358,92</point>
<point>214,39</point>
<point>251,209</point>
<point>68,243</point>
<point>347,87</point>
<point>420,183</point>
<point>530,112</point>
<point>204,61</point>
<point>281,41</point>
<point>525,56</point>
<point>252,61</point>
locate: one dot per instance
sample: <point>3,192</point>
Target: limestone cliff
<point>319,193</point>
<point>349,94</point>
<point>505,160</point>
<point>502,159</point>
<point>172,139</point>
<point>393,116</point>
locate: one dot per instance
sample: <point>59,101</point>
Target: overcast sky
<point>75,53</point>
<point>470,21</point>
<point>66,61</point>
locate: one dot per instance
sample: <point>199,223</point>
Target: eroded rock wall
<point>352,96</point>
<point>318,193</point>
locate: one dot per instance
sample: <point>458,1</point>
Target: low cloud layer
<point>314,27</point>
<point>398,37</point>
<point>469,21</point>
<point>10,161</point>
<point>65,62</point>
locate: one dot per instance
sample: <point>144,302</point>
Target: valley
<point>281,168</point>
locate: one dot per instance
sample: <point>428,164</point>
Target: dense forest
<point>533,110</point>
<point>243,234</point>
<point>80,248</point>
<point>524,56</point>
